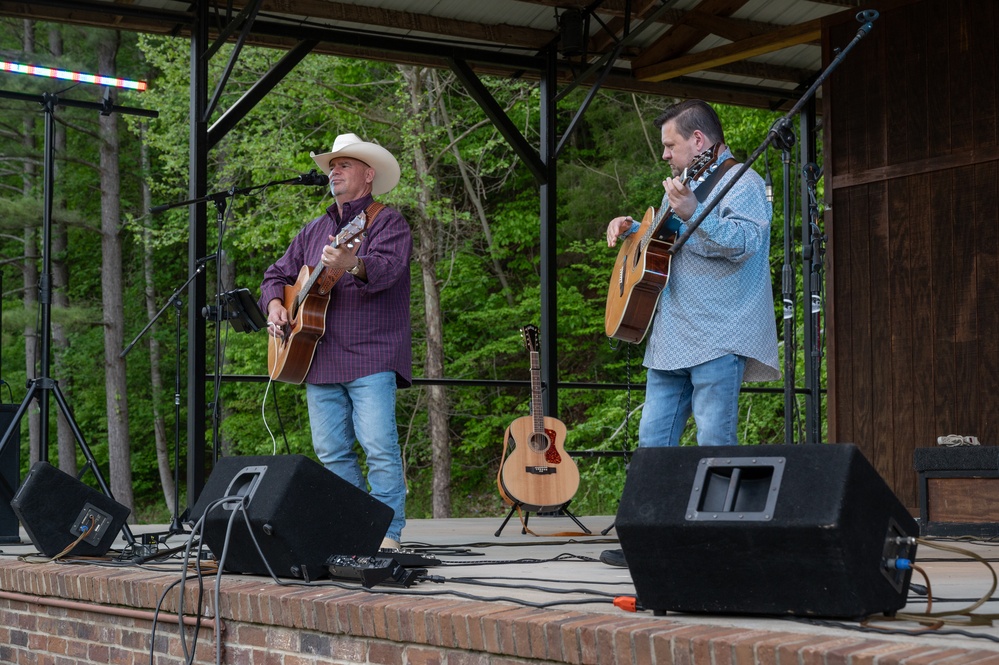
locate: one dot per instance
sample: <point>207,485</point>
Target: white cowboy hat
<point>381,160</point>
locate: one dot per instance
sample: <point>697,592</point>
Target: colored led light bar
<point>33,70</point>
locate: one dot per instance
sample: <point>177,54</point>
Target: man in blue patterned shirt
<point>365,353</point>
<point>714,326</point>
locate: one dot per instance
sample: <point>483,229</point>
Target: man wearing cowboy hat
<point>366,352</point>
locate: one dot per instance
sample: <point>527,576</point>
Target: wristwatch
<point>356,269</point>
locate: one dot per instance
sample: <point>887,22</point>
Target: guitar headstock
<point>354,228</point>
<point>703,164</point>
<point>531,337</point>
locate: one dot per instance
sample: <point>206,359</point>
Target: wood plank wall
<point>911,134</point>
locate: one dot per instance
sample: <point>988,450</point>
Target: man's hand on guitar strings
<point>277,319</point>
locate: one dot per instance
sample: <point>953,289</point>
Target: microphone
<point>205,259</point>
<point>313,177</point>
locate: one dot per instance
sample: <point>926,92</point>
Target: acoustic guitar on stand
<point>538,475</point>
<point>289,358</point>
<point>641,269</point>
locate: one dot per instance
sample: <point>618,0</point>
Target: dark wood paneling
<point>941,313</point>
<point>986,187</point>
<point>964,295</point>
<point>900,356</point>
<point>882,401</point>
<point>959,84</point>
<point>913,169</point>
<point>984,70</point>
<point>921,223</point>
<point>858,335</point>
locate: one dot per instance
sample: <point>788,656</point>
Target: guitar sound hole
<point>539,443</point>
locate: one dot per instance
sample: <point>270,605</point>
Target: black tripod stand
<point>40,387</point>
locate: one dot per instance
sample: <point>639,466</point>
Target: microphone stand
<point>782,134</point>
<point>781,131</point>
<point>219,200</point>
<point>176,525</point>
<point>789,292</point>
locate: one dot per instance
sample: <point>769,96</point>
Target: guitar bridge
<point>540,470</point>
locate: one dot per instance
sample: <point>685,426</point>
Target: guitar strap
<point>704,189</point>
<point>331,277</point>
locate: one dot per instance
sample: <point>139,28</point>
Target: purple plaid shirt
<point>367,324</point>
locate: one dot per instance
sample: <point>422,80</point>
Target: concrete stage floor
<point>559,575</point>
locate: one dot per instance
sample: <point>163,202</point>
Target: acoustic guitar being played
<point>290,357</point>
<point>538,475</point>
<point>641,269</point>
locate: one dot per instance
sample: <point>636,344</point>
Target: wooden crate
<point>958,491</point>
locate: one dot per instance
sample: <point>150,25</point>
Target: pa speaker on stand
<point>805,530</point>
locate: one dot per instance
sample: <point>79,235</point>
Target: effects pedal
<point>372,570</point>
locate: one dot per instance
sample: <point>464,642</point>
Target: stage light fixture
<point>48,72</point>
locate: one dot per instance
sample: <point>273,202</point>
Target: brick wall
<point>267,624</point>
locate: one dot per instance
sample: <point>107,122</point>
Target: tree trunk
<point>426,247</point>
<point>60,298</point>
<point>30,270</point>
<point>116,397</point>
<point>156,387</point>
<point>472,192</point>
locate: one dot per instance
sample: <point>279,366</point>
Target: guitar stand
<point>561,510</point>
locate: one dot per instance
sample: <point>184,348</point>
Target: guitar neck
<point>537,412</point>
<point>349,233</point>
<point>665,210</point>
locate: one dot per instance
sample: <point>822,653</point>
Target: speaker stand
<point>43,385</point>
<point>561,510</point>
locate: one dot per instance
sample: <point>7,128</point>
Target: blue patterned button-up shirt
<point>719,297</point>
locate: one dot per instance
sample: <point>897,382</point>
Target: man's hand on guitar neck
<point>681,198</point>
<point>339,257</point>
<point>277,318</point>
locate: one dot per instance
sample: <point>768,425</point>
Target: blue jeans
<point>710,391</point>
<point>361,410</point>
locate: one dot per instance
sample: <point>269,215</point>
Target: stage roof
<point>758,53</point>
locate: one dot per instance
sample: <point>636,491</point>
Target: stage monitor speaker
<point>802,530</point>
<point>300,514</point>
<point>10,474</point>
<point>55,509</point>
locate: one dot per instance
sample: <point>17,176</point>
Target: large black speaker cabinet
<point>299,512</point>
<point>10,474</point>
<point>56,508</point>
<point>803,530</point>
